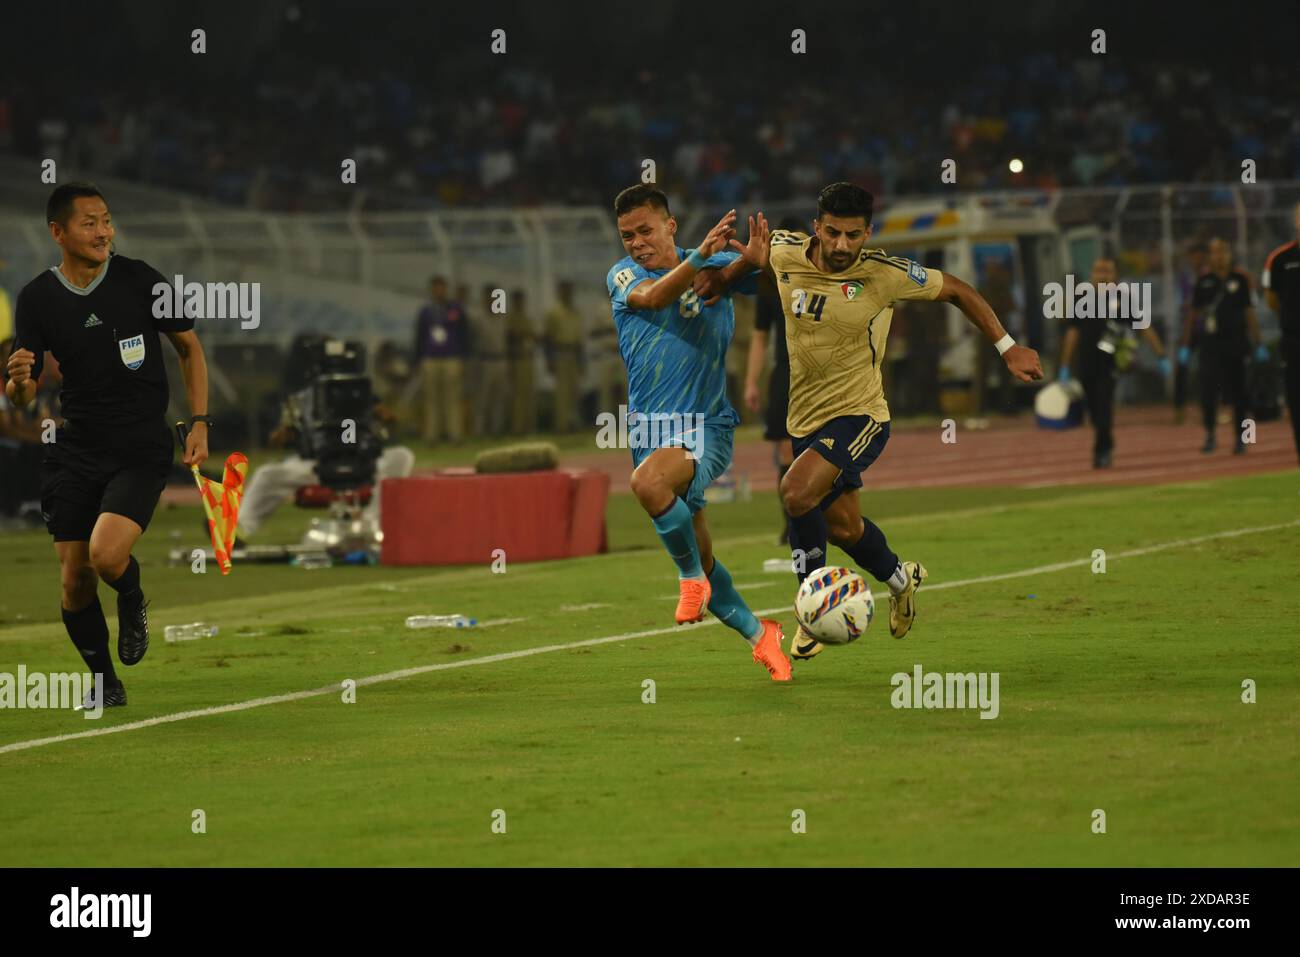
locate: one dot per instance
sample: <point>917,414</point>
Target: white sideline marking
<point>545,649</point>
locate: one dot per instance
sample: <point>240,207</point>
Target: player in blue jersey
<point>680,424</point>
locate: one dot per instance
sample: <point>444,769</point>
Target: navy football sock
<point>872,552</point>
<point>808,534</point>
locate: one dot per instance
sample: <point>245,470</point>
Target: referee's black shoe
<point>114,697</point>
<point>132,627</point>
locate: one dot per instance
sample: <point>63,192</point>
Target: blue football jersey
<point>676,357</point>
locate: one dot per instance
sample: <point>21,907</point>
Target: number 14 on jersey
<point>804,304</point>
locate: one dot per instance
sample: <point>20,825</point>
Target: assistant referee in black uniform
<point>102,476</point>
<point>1282,290</point>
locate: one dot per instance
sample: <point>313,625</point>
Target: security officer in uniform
<point>1282,290</point>
<point>1224,313</point>
<point>1102,345</point>
<point>564,349</point>
<point>492,379</point>
<point>606,363</point>
<point>104,472</point>
<point>522,341</point>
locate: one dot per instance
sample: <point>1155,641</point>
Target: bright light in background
<point>1015,166</point>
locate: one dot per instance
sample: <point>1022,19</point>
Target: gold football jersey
<point>836,325</point>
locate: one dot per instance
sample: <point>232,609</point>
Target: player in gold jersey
<point>838,295</point>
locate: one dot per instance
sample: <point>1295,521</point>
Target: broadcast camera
<point>333,415</point>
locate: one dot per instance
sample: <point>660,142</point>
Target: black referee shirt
<point>1092,330</point>
<point>1227,300</point>
<point>106,340</point>
<point>1282,276</point>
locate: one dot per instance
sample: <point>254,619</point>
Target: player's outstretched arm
<point>1022,361</point>
<point>658,293</point>
<point>710,284</point>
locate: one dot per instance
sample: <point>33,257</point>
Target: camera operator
<point>337,430</point>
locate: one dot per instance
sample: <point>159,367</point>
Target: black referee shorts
<point>87,473</point>
<point>850,443</point>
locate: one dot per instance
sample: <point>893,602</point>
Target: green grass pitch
<point>1119,691</point>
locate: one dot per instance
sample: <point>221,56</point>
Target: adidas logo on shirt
<point>829,443</point>
<point>93,321</point>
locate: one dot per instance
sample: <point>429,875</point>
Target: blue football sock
<point>728,607</point>
<point>678,535</point>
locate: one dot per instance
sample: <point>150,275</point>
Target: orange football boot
<point>768,651</point>
<point>694,600</point>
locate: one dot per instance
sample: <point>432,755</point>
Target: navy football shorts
<point>850,443</point>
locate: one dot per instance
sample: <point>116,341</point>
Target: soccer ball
<point>835,605</point>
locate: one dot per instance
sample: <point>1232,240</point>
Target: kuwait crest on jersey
<point>850,289</point>
<point>132,351</point>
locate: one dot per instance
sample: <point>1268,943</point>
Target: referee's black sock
<point>128,583</point>
<point>872,552</point>
<point>808,534</point>
<point>89,632</point>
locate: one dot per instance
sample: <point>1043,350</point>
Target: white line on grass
<point>628,636</point>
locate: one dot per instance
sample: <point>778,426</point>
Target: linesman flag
<point>221,502</point>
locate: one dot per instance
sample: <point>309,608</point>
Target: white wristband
<point>1003,344</point>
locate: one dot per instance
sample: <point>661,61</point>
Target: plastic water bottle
<point>440,621</point>
<point>190,632</point>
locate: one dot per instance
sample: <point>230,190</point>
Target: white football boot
<point>902,607</point>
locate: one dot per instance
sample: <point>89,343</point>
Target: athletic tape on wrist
<point>1003,344</point>
<point>695,260</point>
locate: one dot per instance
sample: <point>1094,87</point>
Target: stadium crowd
<point>525,137</point>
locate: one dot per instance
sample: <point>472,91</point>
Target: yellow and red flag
<point>221,502</point>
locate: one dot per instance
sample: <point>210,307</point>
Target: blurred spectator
<point>522,349</point>
<point>393,374</point>
<point>606,365</point>
<point>472,135</point>
<point>440,345</point>
<point>1196,267</point>
<point>468,390</point>
<point>21,445</point>
<point>564,350</point>
<point>491,379</point>
<point>6,314</point>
